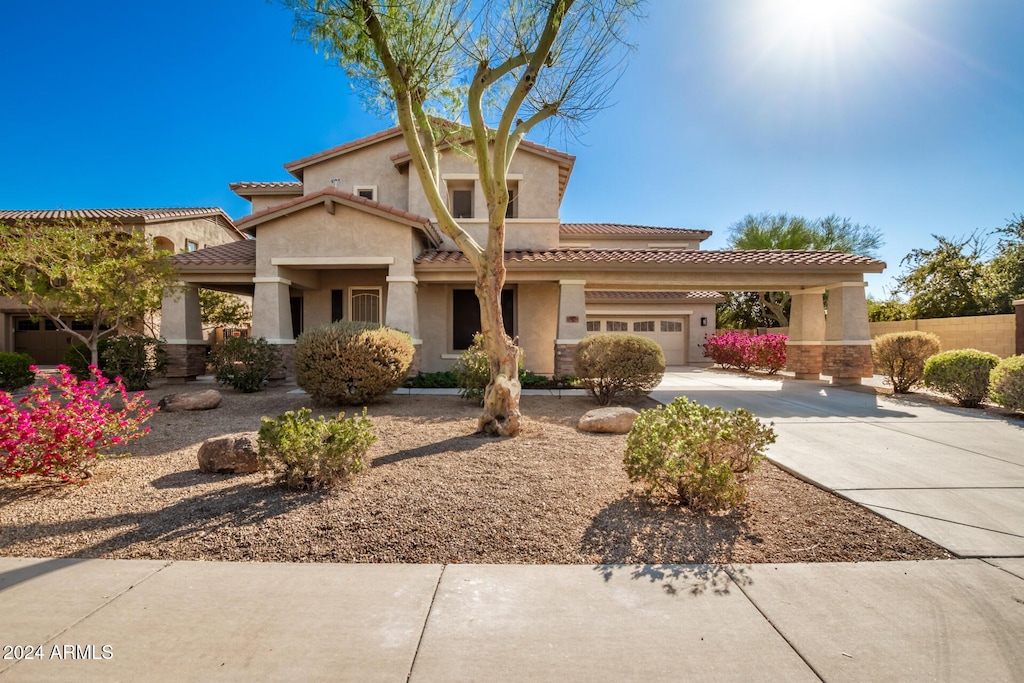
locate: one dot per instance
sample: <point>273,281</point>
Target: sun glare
<point>815,17</point>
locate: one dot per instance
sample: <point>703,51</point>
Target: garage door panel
<point>668,332</point>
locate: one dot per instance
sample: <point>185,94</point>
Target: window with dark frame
<point>460,198</point>
<point>643,326</point>
<point>366,193</point>
<point>616,326</point>
<point>337,305</point>
<point>671,326</point>
<point>191,246</point>
<point>296,308</point>
<point>512,211</point>
<point>466,316</point>
<point>593,326</point>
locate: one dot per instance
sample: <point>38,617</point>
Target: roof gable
<point>330,195</point>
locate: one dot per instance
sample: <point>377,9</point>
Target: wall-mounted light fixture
<point>703,322</point>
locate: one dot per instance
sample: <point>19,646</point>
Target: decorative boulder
<point>190,400</point>
<point>613,420</point>
<point>231,454</point>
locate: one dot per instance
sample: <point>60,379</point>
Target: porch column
<point>402,311</point>
<point>847,353</point>
<point>272,317</point>
<point>572,323</point>
<point>806,332</point>
<point>181,326</point>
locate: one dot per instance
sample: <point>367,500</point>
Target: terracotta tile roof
<point>241,253</point>
<point>689,257</point>
<point>598,295</point>
<point>293,166</point>
<point>622,230</point>
<point>349,198</point>
<point>129,215</point>
<point>258,185</point>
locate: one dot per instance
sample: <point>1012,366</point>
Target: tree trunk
<point>500,415</point>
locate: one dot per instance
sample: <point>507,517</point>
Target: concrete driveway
<point>954,476</point>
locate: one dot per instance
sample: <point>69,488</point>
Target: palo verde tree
<point>507,65</point>
<point>783,231</point>
<point>83,270</point>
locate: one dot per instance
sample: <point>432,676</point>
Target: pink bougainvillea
<point>765,352</point>
<point>59,428</point>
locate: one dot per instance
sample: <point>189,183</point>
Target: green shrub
<point>135,359</point>
<point>245,363</point>
<point>608,364</point>
<point>347,363</point>
<point>433,380</point>
<point>15,372</point>
<point>79,358</point>
<point>963,374</point>
<point>900,356</point>
<point>473,370</point>
<point>308,453</point>
<point>1006,383</point>
<point>695,452</point>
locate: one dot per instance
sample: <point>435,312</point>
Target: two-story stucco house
<point>174,230</point>
<point>352,238</point>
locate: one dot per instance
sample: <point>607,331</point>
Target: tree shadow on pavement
<point>665,543</point>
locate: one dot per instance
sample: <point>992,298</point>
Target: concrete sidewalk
<point>108,620</point>
<point>954,476</point>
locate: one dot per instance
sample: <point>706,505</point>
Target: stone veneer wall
<point>847,361</point>
<point>185,362</point>
<point>804,359</point>
<point>564,359</point>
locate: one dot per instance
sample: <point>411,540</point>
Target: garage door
<point>669,333</point>
<point>41,339</point>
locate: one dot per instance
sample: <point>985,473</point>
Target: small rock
<point>231,454</point>
<point>614,420</point>
<point>190,400</point>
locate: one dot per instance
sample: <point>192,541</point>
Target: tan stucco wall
<point>316,304</point>
<point>992,333</point>
<point>538,200</point>
<point>599,242</point>
<point>313,232</point>
<point>367,166</point>
<point>261,202</point>
<point>536,311</point>
<point>205,232</point>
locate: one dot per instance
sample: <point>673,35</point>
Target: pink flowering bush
<point>59,429</point>
<point>765,352</point>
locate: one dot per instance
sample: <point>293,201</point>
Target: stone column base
<point>847,363</point>
<point>564,359</point>
<point>805,360</point>
<point>185,362</point>
<point>286,370</point>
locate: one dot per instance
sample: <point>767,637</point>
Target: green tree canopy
<point>784,231</point>
<point>92,271</point>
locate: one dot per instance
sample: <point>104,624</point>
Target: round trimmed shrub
<point>1006,383</point>
<point>963,374</point>
<point>608,364</point>
<point>348,363</point>
<point>901,356</point>
<point>15,371</point>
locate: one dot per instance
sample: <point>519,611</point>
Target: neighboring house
<point>352,238</point>
<point>174,230</point>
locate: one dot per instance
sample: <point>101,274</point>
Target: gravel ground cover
<point>433,492</point>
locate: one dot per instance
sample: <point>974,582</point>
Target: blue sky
<point>907,115</point>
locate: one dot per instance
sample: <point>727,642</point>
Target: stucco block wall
<point>535,324</point>
<point>316,303</point>
<point>992,333</point>
<point>206,232</point>
<point>367,166</point>
<point>261,202</point>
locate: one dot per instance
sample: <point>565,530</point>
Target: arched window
<point>163,244</point>
<point>364,305</point>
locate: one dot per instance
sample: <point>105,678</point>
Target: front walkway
<point>954,476</point>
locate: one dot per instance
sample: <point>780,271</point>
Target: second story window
<point>191,246</point>
<point>460,198</point>
<point>513,200</point>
